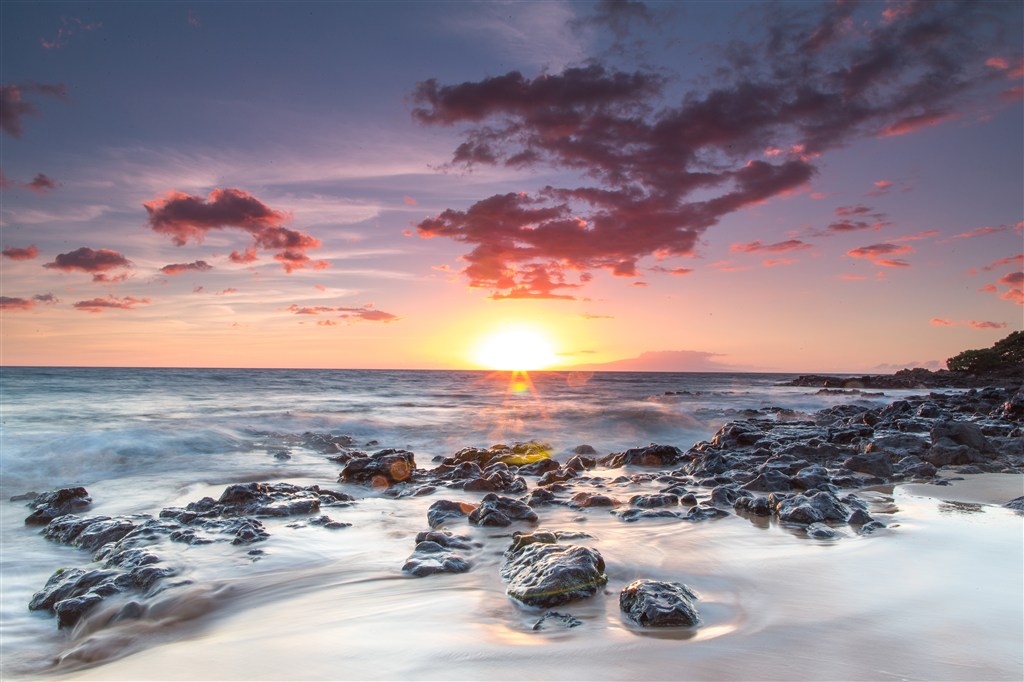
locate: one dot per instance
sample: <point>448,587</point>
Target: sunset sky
<point>703,186</point>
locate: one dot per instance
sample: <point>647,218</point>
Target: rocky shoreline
<point>917,378</point>
<point>804,471</point>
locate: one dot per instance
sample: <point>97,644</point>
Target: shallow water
<point>937,595</point>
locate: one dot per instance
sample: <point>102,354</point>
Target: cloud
<point>30,252</point>
<point>98,262</point>
<point>941,322</point>
<point>69,26</point>
<point>1013,279</point>
<point>772,262</point>
<point>98,305</point>
<point>678,272</point>
<point>247,256</point>
<point>1015,295</point>
<point>654,174</point>
<point>912,124</point>
<point>41,184</point>
<point>882,187</point>
<point>408,200</point>
<point>878,254</point>
<point>367,313</point>
<point>778,247</point>
<point>12,303</point>
<point>856,218</point>
<point>14,107</point>
<point>179,268</point>
<point>927,234</point>
<point>1009,260</point>
<point>588,316</point>
<point>976,232</point>
<point>185,218</point>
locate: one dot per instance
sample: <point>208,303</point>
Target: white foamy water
<point>938,595</point>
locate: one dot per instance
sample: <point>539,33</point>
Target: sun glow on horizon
<point>516,349</point>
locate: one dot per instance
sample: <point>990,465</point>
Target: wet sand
<point>936,596</point>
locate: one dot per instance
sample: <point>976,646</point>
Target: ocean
<point>937,595</point>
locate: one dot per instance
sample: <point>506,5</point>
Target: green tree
<point>1005,354</point>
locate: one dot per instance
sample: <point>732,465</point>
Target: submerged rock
<point>56,503</point>
<point>653,455</point>
<point>435,553</point>
<point>554,619</point>
<point>658,604</point>
<point>546,575</point>
<point>495,510</point>
<point>443,511</point>
<point>381,469</point>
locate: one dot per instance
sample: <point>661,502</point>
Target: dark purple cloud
<point>185,218</point>
<point>69,26</point>
<point>179,268</point>
<point>41,184</point>
<point>881,254</point>
<point>778,247</point>
<point>98,262</point>
<point>655,175</point>
<point>14,106</point>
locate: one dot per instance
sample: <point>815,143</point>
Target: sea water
<point>937,595</point>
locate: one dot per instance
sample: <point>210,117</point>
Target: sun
<point>516,349</point>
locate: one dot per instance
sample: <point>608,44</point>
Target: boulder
<point>55,503</point>
<point>651,456</point>
<point>871,463</point>
<point>546,575</point>
<point>442,511</point>
<point>658,604</point>
<point>495,510</point>
<point>435,553</point>
<point>380,470</point>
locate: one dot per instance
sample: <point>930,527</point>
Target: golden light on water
<point>517,349</point>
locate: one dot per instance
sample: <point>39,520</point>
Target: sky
<point>707,186</point>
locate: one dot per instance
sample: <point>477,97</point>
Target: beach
<point>929,588</point>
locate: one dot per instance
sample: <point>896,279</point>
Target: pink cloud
<point>851,277</point>
<point>98,305</point>
<point>778,247</point>
<point>185,217</point>
<point>30,252</point>
<point>14,107</point>
<point>12,303</point>
<point>997,63</point>
<point>179,268</point>
<point>1015,295</point>
<point>941,322</point>
<point>912,124</point>
<point>855,219</point>
<point>41,184</point>
<point>879,254</point>
<point>69,26</point>
<point>98,263</point>
<point>226,292</point>
<point>1009,260</point>
<point>989,289</point>
<point>772,262</point>
<point>409,201</point>
<point>1013,279</point>
<point>927,234</point>
<point>247,256</point>
<point>976,232</point>
<point>671,271</point>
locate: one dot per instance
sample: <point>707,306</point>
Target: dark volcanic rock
<point>1016,504</point>
<point>554,619</point>
<point>495,510</point>
<point>639,514</point>
<point>55,503</point>
<point>657,604</point>
<point>443,511</point>
<point>651,501</point>
<point>547,575</point>
<point>872,463</point>
<point>584,500</point>
<point>651,456</point>
<point>380,470</point>
<point>435,553</point>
